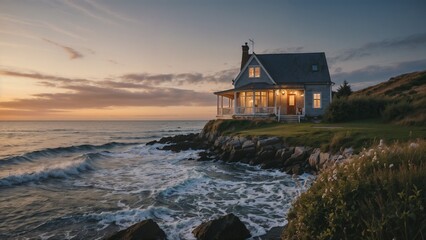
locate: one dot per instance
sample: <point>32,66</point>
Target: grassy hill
<point>409,90</point>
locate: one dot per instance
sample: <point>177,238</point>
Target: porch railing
<point>255,110</point>
<point>225,111</point>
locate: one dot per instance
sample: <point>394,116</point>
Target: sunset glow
<point>146,60</point>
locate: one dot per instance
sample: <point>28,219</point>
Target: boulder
<point>324,157</point>
<point>228,227</point>
<point>264,156</point>
<point>145,230</point>
<point>299,155</point>
<point>236,155</point>
<point>287,153</point>
<point>249,151</point>
<point>233,143</point>
<point>248,144</point>
<point>273,163</point>
<point>268,141</point>
<point>314,158</point>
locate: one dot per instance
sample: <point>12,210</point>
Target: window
<point>254,72</point>
<point>314,68</point>
<point>317,100</point>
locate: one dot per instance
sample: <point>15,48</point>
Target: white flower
<point>391,165</point>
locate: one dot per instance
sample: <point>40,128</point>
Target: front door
<point>291,104</point>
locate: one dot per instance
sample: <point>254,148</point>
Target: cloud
<point>411,42</point>
<point>102,97</point>
<point>39,76</point>
<point>87,94</point>
<point>129,85</point>
<point>220,77</point>
<point>374,74</point>
<point>72,53</point>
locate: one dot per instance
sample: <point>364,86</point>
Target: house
<point>286,86</point>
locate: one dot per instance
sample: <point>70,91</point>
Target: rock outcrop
<point>145,230</point>
<point>228,227</point>
<point>268,152</point>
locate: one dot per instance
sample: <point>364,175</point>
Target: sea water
<point>87,180</point>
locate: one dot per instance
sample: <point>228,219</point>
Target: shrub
<point>380,194</point>
<point>355,108</point>
<point>396,111</point>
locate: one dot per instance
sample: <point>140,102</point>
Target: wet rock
<point>250,151</point>
<point>273,163</point>
<point>273,234</point>
<point>145,230</point>
<point>236,155</point>
<point>266,155</point>
<point>299,156</point>
<point>204,156</point>
<point>228,227</point>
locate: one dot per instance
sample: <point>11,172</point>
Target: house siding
<point>244,77</point>
<point>325,99</point>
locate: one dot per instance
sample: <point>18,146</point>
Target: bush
<point>380,194</point>
<point>355,108</point>
<point>396,111</point>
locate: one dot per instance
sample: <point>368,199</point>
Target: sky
<point>158,60</point>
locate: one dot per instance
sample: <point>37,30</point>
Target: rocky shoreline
<point>268,152</point>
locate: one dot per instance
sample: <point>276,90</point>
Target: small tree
<point>344,90</point>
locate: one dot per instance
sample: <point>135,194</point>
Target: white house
<point>282,86</point>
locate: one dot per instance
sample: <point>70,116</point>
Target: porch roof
<point>257,86</point>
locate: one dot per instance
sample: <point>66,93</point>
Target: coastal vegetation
<point>380,194</point>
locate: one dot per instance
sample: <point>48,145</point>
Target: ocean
<point>89,179</point>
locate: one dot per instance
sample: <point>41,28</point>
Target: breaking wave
<point>57,170</point>
<point>48,152</point>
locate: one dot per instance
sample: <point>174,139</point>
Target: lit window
<point>317,100</point>
<point>314,68</point>
<point>254,72</point>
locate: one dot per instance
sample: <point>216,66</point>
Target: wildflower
<point>391,165</point>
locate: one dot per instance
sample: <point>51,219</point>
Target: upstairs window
<point>254,72</point>
<point>317,100</point>
<point>314,67</point>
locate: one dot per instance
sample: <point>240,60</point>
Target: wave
<point>59,170</point>
<point>136,138</point>
<point>30,156</point>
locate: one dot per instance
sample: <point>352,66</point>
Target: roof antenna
<point>252,44</point>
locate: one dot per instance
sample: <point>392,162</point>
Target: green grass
<point>326,135</point>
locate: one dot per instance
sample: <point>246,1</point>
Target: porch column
<point>275,102</point>
<point>221,104</point>
<point>235,102</point>
<point>254,101</point>
<point>217,105</point>
<point>304,102</point>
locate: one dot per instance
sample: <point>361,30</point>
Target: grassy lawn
<point>333,136</point>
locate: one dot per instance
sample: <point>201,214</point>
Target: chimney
<point>245,56</point>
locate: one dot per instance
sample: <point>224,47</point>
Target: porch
<point>279,102</point>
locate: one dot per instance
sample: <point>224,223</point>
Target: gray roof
<point>296,67</point>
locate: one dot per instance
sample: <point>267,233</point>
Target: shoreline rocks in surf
<point>144,230</point>
<point>268,152</point>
